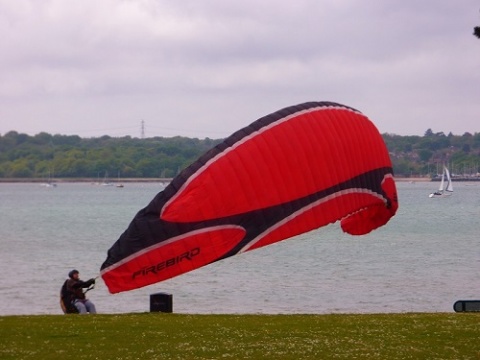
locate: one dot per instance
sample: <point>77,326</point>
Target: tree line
<point>70,156</point>
<point>425,155</point>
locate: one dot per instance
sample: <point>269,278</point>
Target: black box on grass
<point>161,302</point>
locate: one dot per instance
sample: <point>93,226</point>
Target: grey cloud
<point>182,63</point>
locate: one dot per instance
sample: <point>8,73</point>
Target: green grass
<point>181,336</point>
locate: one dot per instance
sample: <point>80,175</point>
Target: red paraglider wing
<point>290,172</point>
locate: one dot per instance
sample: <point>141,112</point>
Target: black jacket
<point>75,287</point>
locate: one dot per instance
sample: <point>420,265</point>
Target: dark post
<point>476,31</point>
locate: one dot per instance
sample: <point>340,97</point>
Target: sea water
<point>423,260</point>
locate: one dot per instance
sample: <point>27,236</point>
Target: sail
<point>449,180</point>
<point>442,182</point>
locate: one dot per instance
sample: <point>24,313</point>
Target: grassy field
<point>181,336</point>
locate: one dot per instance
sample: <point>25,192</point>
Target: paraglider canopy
<point>287,173</point>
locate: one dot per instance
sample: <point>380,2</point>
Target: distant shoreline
<point>140,180</point>
<point>84,180</point>
<point>167,180</point>
<point>412,179</point>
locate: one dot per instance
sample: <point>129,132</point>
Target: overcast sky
<point>205,68</point>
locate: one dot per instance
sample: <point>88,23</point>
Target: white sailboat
<point>105,180</point>
<point>444,190</point>
<point>50,182</point>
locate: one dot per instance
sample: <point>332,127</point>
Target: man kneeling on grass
<point>75,286</point>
